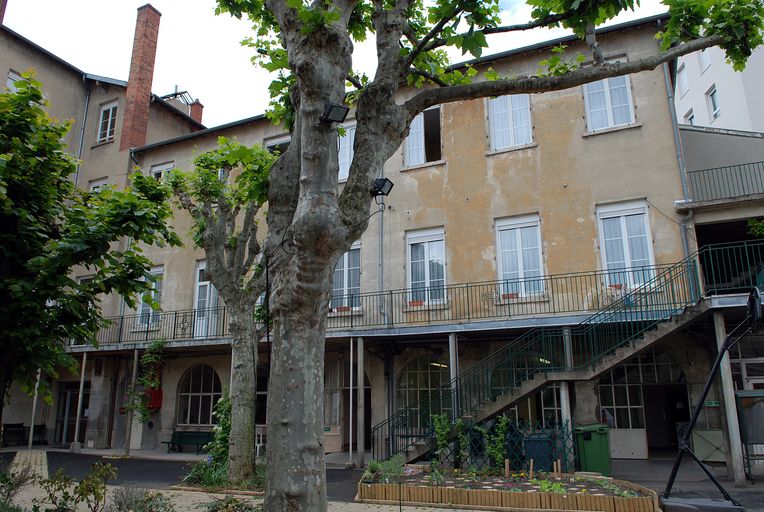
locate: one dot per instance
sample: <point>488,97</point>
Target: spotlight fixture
<point>334,113</point>
<point>381,187</point>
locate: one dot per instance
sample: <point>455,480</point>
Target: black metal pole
<point>729,342</point>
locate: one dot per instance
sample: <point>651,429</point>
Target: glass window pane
<point>622,418</point>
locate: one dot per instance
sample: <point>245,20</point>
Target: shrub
<point>92,488</point>
<point>9,507</point>
<point>230,504</point>
<point>59,493</point>
<point>127,499</point>
<point>12,481</point>
<point>206,473</point>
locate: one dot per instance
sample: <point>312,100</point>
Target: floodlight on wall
<point>381,187</point>
<point>334,113</point>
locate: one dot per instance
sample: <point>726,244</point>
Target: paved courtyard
<point>161,472</point>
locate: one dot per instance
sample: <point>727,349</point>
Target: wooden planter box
<point>490,499</point>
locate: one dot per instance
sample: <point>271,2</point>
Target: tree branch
<point>534,84</point>
<point>435,30</point>
<point>353,80</point>
<point>429,76</point>
<point>543,22</point>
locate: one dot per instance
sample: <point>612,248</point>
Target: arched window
<point>418,378</point>
<point>198,393</point>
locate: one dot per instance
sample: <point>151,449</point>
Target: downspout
<point>82,130</point>
<point>679,159</point>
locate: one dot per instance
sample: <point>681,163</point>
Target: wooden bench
<point>187,437</point>
<point>14,434</point>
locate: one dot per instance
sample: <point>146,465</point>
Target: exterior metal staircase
<point>664,301</point>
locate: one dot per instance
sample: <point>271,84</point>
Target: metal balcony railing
<point>726,182</point>
<point>726,268</point>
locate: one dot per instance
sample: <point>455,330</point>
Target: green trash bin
<point>593,448</point>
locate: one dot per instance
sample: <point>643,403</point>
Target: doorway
<point>667,409</point>
<point>66,412</point>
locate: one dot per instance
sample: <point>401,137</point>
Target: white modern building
<point>710,93</point>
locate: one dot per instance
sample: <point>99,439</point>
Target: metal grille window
<point>620,391</point>
<point>608,103</point>
<point>199,391</point>
<point>427,263</point>
<point>346,284</point>
<point>510,121</point>
<point>418,378</point>
<point>519,255</point>
<point>108,122</point>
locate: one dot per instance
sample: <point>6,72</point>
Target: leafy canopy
<point>435,25</point>
<point>49,228</point>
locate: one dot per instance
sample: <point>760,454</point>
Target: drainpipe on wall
<point>679,159</point>
<point>82,129</point>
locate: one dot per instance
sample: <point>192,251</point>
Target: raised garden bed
<point>518,491</point>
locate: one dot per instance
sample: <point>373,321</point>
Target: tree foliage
<point>49,228</point>
<point>223,195</point>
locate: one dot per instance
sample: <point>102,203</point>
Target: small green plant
<point>464,443</point>
<point>442,425</point>
<point>372,468</point>
<point>391,470</point>
<point>213,472</point>
<point>217,449</point>
<point>9,507</point>
<point>229,504</point>
<point>128,499</point>
<point>137,398</point>
<point>92,488</point>
<point>12,481</point>
<point>59,493</point>
<point>496,441</point>
<point>206,473</point>
<point>549,486</point>
<point>616,490</point>
<point>436,476</point>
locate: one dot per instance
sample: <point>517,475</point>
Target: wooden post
<point>530,473</point>
<point>506,468</point>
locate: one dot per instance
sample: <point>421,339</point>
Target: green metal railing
<point>732,268</point>
<point>726,182</point>
<point>542,351</point>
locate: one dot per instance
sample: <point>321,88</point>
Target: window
<point>426,262</point>
<point>416,381</point>
<point>608,103</point>
<point>345,151</point>
<point>207,304</point>
<point>704,59</point>
<point>108,122</point>
<point>346,285</point>
<point>423,142</point>
<point>689,118</point>
<point>712,98</point>
<point>198,393</point>
<point>509,121</point>
<point>10,83</point>
<point>147,316</point>
<point>277,146</point>
<point>158,171</point>
<point>681,78</point>
<point>624,237</point>
<point>519,256</point>
<point>96,185</point>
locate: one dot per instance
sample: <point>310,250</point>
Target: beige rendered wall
<point>62,86</point>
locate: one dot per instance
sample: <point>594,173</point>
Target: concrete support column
<point>586,411</point>
<point>350,408</point>
<point>129,418</point>
<point>567,342</point>
<point>566,416</point>
<point>453,367</point>
<point>75,447</point>
<point>360,461</point>
<point>730,408</point>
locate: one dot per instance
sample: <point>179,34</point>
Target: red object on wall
<point>155,399</point>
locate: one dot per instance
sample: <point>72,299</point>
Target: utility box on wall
<point>332,439</point>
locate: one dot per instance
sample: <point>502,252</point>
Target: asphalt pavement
<point>162,474</point>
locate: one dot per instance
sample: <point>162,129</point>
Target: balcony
<point>722,184</point>
<point>724,269</point>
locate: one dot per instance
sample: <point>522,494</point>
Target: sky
<point>199,52</point>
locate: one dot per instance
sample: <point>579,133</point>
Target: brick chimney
<point>196,110</point>
<point>3,5</point>
<point>138,95</point>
